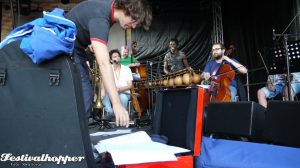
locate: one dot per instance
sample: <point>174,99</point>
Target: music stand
<point>277,59</point>
<point>285,59</point>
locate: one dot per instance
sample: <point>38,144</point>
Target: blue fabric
<point>270,94</point>
<point>124,98</point>
<point>217,153</point>
<point>45,38</point>
<point>233,93</point>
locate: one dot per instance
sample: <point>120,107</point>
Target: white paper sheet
<point>116,132</point>
<point>204,86</point>
<point>137,148</point>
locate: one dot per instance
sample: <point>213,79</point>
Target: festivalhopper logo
<point>9,157</point>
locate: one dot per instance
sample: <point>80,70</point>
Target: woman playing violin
<point>210,70</point>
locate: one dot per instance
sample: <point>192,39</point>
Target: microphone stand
<point>290,97</point>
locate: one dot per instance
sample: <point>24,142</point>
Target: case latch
<point>54,78</point>
<point>2,76</point>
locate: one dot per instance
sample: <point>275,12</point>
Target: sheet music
<point>137,148</point>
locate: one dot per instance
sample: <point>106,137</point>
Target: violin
<point>220,85</point>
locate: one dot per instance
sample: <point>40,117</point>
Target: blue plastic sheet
<point>216,153</point>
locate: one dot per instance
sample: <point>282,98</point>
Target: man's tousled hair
<point>139,10</point>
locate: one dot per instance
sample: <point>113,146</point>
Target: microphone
<point>274,36</point>
<point>115,62</point>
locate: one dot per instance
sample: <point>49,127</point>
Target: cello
<point>220,85</point>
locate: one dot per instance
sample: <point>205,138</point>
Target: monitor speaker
<point>235,118</point>
<point>282,123</point>
<point>178,116</point>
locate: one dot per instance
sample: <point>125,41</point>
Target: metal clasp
<point>2,76</point>
<point>54,78</point>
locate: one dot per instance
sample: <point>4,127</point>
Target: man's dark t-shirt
<point>93,19</point>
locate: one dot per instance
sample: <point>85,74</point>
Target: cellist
<point>212,67</point>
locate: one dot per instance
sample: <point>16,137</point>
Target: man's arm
<point>166,66</point>
<point>206,72</point>
<point>185,62</point>
<point>102,91</point>
<point>241,68</point>
<point>136,64</point>
<point>125,88</point>
<point>101,53</point>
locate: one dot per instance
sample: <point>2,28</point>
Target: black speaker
<point>235,118</point>
<point>175,116</point>
<point>282,123</point>
<point>42,116</point>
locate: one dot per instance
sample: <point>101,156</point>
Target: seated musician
<point>212,67</point>
<point>231,51</point>
<point>131,62</point>
<point>127,59</point>
<point>175,60</point>
<point>276,85</point>
<point>123,79</point>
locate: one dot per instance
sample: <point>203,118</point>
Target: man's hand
<point>205,75</point>
<point>122,117</point>
<point>118,89</point>
<point>189,68</point>
<point>136,64</point>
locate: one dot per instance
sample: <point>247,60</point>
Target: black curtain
<point>188,21</point>
<point>249,25</point>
